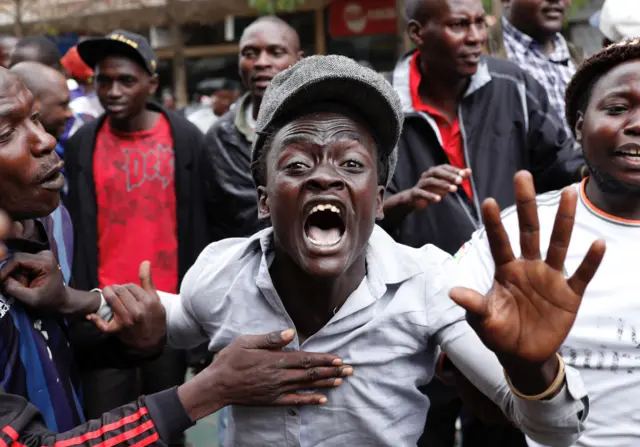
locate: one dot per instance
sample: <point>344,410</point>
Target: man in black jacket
<point>134,194</point>
<point>471,122</point>
<point>267,46</point>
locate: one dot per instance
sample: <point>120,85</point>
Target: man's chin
<point>44,210</point>
<point>616,185</point>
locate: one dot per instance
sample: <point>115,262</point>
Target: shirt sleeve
<point>183,329</point>
<point>555,422</point>
<point>153,420</point>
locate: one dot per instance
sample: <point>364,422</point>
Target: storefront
<point>197,40</point>
<point>365,30</point>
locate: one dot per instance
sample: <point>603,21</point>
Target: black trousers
<point>106,389</point>
<point>440,430</point>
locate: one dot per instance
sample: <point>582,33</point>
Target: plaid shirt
<point>553,71</point>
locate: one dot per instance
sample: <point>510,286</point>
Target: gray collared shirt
<point>390,329</point>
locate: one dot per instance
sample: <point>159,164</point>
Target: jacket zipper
<point>475,221</point>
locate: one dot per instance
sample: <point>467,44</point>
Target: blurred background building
<point>197,40</point>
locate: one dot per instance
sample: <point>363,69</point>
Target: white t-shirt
<point>248,115</point>
<point>604,341</point>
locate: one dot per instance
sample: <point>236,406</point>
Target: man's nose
<point>40,141</point>
<point>325,177</point>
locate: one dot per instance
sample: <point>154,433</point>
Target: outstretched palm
<point>531,307</point>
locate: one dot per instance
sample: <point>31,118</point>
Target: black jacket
<point>193,234</point>
<point>151,420</point>
<point>231,196</point>
<point>507,124</point>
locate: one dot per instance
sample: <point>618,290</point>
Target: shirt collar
<point>241,119</point>
<point>402,80</point>
<point>560,53</point>
<point>387,261</point>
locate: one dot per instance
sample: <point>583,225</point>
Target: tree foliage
<point>274,6</point>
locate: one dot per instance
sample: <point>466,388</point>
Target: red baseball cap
<point>74,64</point>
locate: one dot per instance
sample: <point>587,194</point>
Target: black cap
<point>92,51</point>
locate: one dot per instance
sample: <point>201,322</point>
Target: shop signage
<point>362,17</point>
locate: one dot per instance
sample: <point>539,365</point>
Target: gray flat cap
<point>335,79</point>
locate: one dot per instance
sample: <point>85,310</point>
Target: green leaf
<point>273,6</point>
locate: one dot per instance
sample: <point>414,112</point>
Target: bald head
<point>10,84</point>
<point>7,45</point>
<point>273,22</point>
<point>415,10</point>
<point>49,87</point>
<point>37,49</point>
<point>39,78</point>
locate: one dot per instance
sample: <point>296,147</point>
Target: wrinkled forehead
<point>266,34</point>
<point>328,122</point>
<point>15,99</point>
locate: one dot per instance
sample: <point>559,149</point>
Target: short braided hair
<point>592,69</point>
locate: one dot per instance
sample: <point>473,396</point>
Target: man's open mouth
<point>628,152</point>
<point>324,226</point>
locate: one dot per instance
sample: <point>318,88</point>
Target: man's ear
<point>263,203</point>
<point>380,203</point>
<point>153,85</point>
<point>578,128</point>
<point>414,29</point>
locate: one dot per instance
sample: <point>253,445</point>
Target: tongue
<point>325,237</point>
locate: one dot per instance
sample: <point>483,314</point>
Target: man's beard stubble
<point>608,184</point>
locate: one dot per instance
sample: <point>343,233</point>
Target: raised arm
<point>523,319</point>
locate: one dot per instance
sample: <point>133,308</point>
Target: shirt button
<point>292,412</point>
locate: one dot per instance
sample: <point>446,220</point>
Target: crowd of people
<point>339,254</point>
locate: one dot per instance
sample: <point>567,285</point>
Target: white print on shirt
<point>38,326</point>
<point>5,305</point>
<point>156,163</point>
<point>622,353</point>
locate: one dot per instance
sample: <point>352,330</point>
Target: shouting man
<point>321,161</point>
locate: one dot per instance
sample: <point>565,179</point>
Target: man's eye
<point>35,117</point>
<point>6,136</point>
<point>459,25</point>
<point>297,166</point>
<point>352,164</point>
<point>617,109</point>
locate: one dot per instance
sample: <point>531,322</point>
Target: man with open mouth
<point>325,149</point>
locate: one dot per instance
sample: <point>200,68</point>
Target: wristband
<point>555,385</point>
<point>104,311</point>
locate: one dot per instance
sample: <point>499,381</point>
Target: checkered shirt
<point>553,71</point>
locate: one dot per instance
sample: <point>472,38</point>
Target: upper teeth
<point>325,208</point>
<point>631,151</point>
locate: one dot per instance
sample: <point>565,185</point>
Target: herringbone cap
<point>334,79</point>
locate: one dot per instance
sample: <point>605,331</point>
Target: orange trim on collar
<point>598,211</point>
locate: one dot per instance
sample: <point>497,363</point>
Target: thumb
<point>110,327</point>
<point>146,281</point>
<point>471,301</point>
<point>272,340</point>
